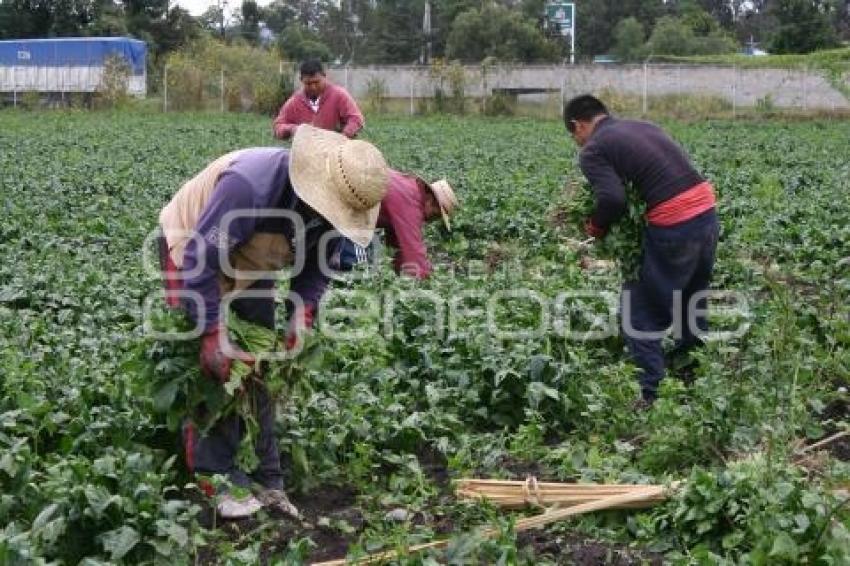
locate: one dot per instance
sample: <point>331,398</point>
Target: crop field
<point>499,366</point>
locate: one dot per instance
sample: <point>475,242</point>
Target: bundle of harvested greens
<point>179,389</point>
<point>623,241</point>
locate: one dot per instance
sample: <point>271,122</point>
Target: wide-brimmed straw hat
<point>343,180</point>
<point>446,199</point>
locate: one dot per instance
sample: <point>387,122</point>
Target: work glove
<point>215,347</point>
<point>593,230</point>
<point>300,321</point>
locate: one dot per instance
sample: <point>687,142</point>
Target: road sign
<point>562,15</point>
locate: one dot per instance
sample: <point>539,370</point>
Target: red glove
<point>301,320</point>
<point>592,229</point>
<point>215,347</point>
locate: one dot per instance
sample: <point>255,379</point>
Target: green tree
<point>110,22</point>
<point>176,29</point>
<point>297,43</point>
<point>250,24</point>
<point>47,18</point>
<point>629,39</point>
<point>720,12</point>
<point>803,26</point>
<point>533,9</point>
<point>676,36</point>
<point>596,20</point>
<point>671,36</point>
<point>842,19</point>
<point>341,28</point>
<point>495,31</point>
<point>443,15</point>
<point>306,12</point>
<point>755,22</point>
<point>393,32</point>
<point>700,21</point>
<point>277,15</point>
<point>212,20</point>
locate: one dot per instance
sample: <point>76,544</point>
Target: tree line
<point>393,31</point>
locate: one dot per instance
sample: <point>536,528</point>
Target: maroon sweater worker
<point>319,103</point>
<point>409,203</point>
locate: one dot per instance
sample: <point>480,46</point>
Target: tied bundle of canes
<point>518,494</point>
<point>629,497</point>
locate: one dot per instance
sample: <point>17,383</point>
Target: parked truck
<point>56,68</point>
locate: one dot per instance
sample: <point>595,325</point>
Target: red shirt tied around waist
<point>683,207</point>
<point>320,104</point>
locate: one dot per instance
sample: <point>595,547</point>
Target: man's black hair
<point>312,67</point>
<point>583,108</point>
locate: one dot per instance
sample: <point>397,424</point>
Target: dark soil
<point>840,449</point>
<point>335,503</point>
<point>495,258</point>
<point>521,469</point>
<point>559,217</point>
<point>435,466</point>
<point>836,412</point>
<point>338,503</point>
<point>570,549</point>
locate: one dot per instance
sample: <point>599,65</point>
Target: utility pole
<point>222,6</point>
<point>425,58</point>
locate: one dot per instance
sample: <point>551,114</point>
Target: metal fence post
<point>645,88</point>
<point>734,92</point>
<point>679,87</point>
<point>411,92</point>
<point>805,88</point>
<point>165,88</point>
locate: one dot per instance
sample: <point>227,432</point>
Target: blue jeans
<point>677,263</point>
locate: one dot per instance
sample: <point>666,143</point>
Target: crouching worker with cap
<point>410,203</point>
<point>258,210</point>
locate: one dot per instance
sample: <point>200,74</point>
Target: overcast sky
<point>198,7</point>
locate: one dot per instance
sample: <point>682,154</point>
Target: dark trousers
<point>215,452</point>
<point>676,265</point>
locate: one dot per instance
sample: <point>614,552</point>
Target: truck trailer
<point>56,67</point>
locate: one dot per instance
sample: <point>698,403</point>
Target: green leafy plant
<point>375,424</point>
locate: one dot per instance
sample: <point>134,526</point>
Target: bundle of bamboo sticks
<point>517,494</point>
<point>593,498</point>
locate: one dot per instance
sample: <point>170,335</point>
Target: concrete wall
<point>742,87</point>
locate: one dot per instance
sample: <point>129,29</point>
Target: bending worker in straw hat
<point>410,202</point>
<point>261,209</point>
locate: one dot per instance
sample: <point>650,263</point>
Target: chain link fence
<point>678,90</point>
<point>537,90</point>
<point>186,86</point>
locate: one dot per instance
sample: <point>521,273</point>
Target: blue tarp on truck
<point>72,52</point>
